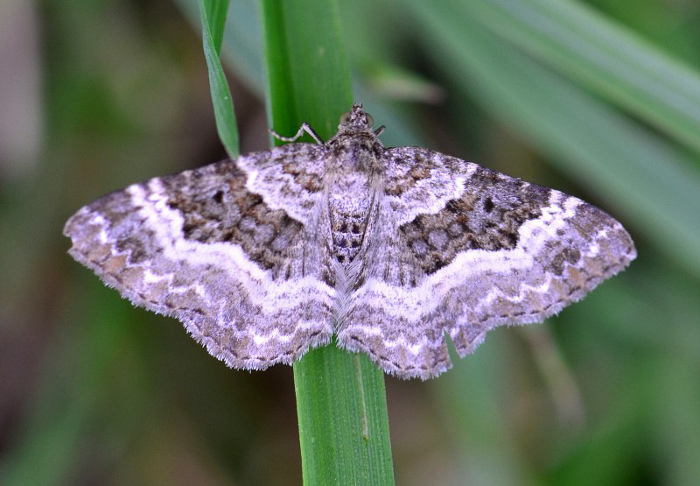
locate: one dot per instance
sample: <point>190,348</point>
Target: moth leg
<point>303,128</point>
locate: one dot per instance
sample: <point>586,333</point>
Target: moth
<point>389,249</point>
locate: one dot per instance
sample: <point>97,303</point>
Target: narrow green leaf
<point>604,55</point>
<point>620,160</point>
<point>242,39</point>
<point>308,74</point>
<point>343,422</point>
<point>213,19</point>
<point>215,14</point>
<point>341,402</point>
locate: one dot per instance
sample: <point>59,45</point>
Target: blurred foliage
<point>94,391</point>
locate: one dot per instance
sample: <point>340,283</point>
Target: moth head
<point>357,120</point>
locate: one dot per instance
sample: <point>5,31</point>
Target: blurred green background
<point>598,99</point>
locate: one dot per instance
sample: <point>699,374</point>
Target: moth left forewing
<point>200,247</point>
<point>502,252</point>
<point>289,177</point>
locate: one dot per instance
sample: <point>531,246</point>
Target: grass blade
<point>213,19</point>
<point>603,55</point>
<point>341,402</point>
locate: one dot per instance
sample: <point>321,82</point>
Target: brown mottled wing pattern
<point>481,250</point>
<point>201,247</point>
